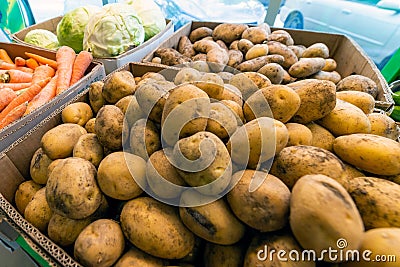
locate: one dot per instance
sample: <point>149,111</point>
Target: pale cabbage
<point>42,38</point>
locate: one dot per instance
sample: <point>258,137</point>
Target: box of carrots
<point>34,82</point>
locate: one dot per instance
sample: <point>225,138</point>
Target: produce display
<point>28,83</point>
<point>105,31</point>
<point>205,165</point>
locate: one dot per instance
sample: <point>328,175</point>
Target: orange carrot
<point>42,72</point>
<point>82,62</point>
<point>31,63</point>
<point>11,66</point>
<point>14,115</point>
<point>65,57</point>
<point>5,57</point>
<point>43,60</point>
<point>19,61</point>
<point>15,86</point>
<point>28,95</point>
<point>46,94</point>
<point>6,96</point>
<point>15,76</point>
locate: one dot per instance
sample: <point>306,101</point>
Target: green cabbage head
<point>42,38</point>
<point>151,14</point>
<point>71,28</point>
<point>113,30</point>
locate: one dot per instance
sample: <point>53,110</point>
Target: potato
<point>293,162</point>
<point>257,141</point>
<point>261,245</point>
<point>155,228</point>
<point>160,173</point>
<point>152,75</point>
<point>192,106</point>
<point>187,74</point>
<point>201,66</point>
<point>277,101</point>
<point>185,46</point>
<point>213,221</point>
<point>281,36</point>
<point>316,50</point>
<point>222,121</point>
<point>151,98</point>
<point>171,57</point>
<point>256,35</point>
<point>306,67</point>
<point>228,32</point>
<point>317,99</point>
<point>200,33</point>
<point>383,243</point>
<point>248,83</point>
<point>222,45</point>
<point>101,243</point>
<point>38,212</point>
<point>119,84</point>
<point>267,208</point>
<point>330,65</point>
<point>52,165</point>
<point>321,137</point>
<point>89,126</point>
<point>273,71</point>
<point>377,200</point>
<point>286,79</point>
<point>234,45</point>
<point>38,167</point>
<point>362,100</point>
<point>257,50</point>
<point>237,110</point>
<point>298,50</point>
<point>345,119</point>
<point>235,58</point>
<point>358,83</point>
<point>78,112</point>
<point>156,60</point>
<point>372,153</point>
<point>383,125</point>
<point>144,138</point>
<point>352,172</point>
<point>333,215</point>
<point>232,93</point>
<point>211,78</point>
<point>24,194</point>
<point>88,147</point>
<point>289,56</point>
<point>64,231</point>
<point>253,64</point>
<point>120,175</point>
<point>72,190</point>
<point>218,58</point>
<point>223,256</point>
<point>205,46</point>
<point>202,165</point>
<point>225,75</point>
<point>108,126</point>
<point>96,98</point>
<point>213,85</point>
<point>59,141</point>
<point>199,57</point>
<point>136,257</point>
<point>299,134</point>
<point>332,76</point>
<point>244,45</point>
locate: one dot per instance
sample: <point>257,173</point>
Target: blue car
<point>373,24</point>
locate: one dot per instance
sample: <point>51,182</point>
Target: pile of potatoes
<point>280,166</point>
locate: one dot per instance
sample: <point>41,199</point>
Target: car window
<point>366,2</point>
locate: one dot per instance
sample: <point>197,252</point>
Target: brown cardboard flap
<point>10,178</point>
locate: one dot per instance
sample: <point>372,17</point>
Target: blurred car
<point>15,15</point>
<point>373,24</point>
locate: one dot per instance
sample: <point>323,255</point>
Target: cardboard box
<point>110,63</point>
<point>12,132</point>
<point>350,57</point>
<point>15,163</point>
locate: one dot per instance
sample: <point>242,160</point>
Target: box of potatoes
<point>294,54</point>
<point>158,166</point>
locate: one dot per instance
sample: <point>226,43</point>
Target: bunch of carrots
<point>28,83</point>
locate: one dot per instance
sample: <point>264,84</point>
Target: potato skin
<point>362,100</point>
<point>155,228</point>
<point>200,33</point>
<point>78,112</point>
<point>358,83</point>
<point>119,85</point>
<point>136,257</point>
<point>65,192</point>
<point>223,256</point>
<point>38,167</point>
<point>265,209</point>
<point>289,56</point>
<point>24,194</point>
<point>345,119</point>
<point>144,138</point>
<point>100,244</point>
<point>316,50</point>
<point>330,65</point>
<point>330,218</point>
<point>235,58</point>
<point>89,126</point>
<point>96,98</point>
<point>317,99</point>
<point>38,212</point>
<point>257,50</point>
<point>222,121</point>
<point>372,153</point>
<point>228,32</point>
<point>299,134</point>
<point>306,67</point>
<point>321,137</point>
<point>59,141</point>
<point>88,147</point>
<point>377,200</point>
<point>332,76</point>
<point>293,162</point>
<point>383,125</point>
<point>273,71</point>
<point>256,35</point>
<point>108,127</point>
<point>185,47</point>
